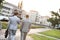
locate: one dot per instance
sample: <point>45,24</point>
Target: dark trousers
<point>23,35</point>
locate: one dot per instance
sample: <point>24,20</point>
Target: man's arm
<point>21,26</point>
<point>8,24</point>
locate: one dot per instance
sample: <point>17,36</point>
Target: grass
<point>37,37</point>
<point>53,33</point>
<point>5,24</point>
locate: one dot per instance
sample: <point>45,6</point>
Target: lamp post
<point>20,8</point>
<point>20,5</point>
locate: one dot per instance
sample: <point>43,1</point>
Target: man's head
<point>19,15</point>
<point>27,16</point>
<point>15,12</point>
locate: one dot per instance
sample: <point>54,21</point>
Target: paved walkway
<point>17,35</point>
<point>32,31</point>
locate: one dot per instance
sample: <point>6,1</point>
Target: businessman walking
<point>12,26</point>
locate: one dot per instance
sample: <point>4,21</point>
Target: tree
<point>55,19</point>
<point>1,1</point>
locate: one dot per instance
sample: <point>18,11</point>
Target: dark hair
<point>15,12</point>
<point>20,18</point>
<point>27,16</point>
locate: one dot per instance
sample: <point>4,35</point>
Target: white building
<point>43,20</point>
<point>7,8</point>
<point>23,14</point>
<point>38,19</point>
<point>33,16</point>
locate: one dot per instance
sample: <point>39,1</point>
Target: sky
<point>42,6</point>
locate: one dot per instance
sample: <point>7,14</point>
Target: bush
<point>5,25</point>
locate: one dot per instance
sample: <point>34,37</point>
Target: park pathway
<point>32,31</point>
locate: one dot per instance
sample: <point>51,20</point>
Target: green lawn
<point>37,37</point>
<point>5,24</point>
<point>53,33</point>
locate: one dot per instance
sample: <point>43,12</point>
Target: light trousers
<point>11,34</point>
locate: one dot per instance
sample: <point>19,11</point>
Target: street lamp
<point>20,8</point>
<point>20,5</point>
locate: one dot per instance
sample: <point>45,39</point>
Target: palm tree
<point>55,19</point>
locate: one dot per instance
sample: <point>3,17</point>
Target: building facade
<point>33,15</point>
<point>43,20</point>
<point>7,8</point>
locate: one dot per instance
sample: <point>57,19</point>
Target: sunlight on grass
<point>37,37</point>
<point>53,33</point>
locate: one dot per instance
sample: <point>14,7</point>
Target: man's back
<point>26,25</point>
<point>13,21</point>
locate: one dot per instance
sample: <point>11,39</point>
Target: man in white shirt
<point>12,26</point>
<point>25,27</point>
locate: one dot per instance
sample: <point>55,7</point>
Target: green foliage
<point>55,19</point>
<point>54,13</point>
<point>1,3</point>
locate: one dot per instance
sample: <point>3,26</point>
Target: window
<point>5,11</point>
<point>6,8</point>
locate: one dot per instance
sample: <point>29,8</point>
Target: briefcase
<point>6,33</point>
